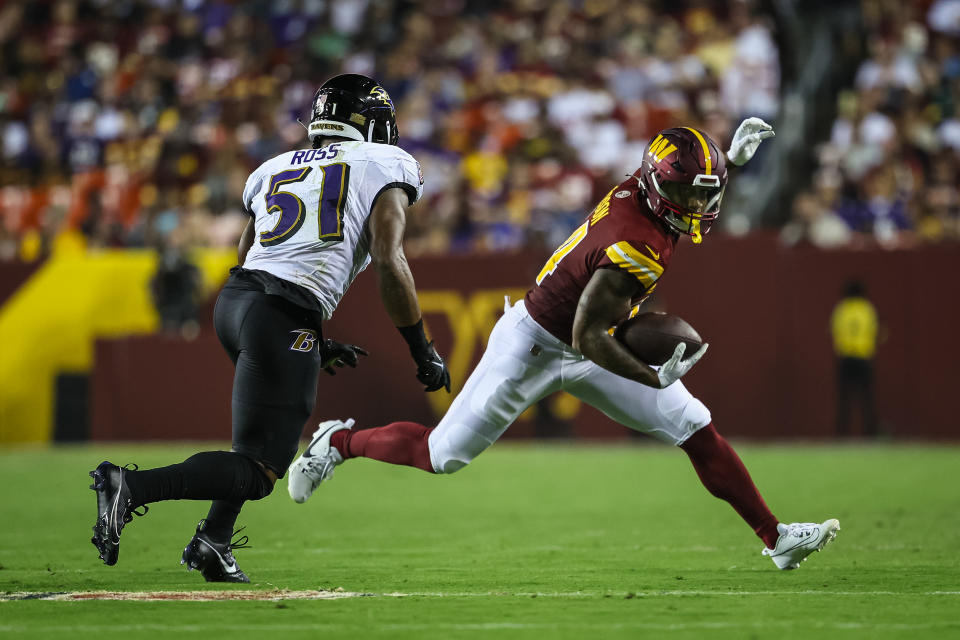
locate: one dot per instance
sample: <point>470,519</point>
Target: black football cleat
<point>114,509</point>
<point>214,559</point>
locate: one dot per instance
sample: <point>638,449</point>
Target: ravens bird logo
<point>382,94</point>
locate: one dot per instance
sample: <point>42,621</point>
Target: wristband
<point>415,337</point>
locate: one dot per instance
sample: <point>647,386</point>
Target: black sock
<point>221,519</point>
<point>210,475</point>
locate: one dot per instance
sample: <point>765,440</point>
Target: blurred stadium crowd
<point>136,122</point>
<point>889,172</point>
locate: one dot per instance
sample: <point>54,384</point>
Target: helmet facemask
<point>684,177</point>
<point>691,208</point>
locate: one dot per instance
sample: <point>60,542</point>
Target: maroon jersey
<point>618,234</point>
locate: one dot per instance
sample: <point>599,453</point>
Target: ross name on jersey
<point>328,152</point>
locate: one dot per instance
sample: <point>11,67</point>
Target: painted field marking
<point>277,595</point>
<point>312,627</point>
<point>657,594</point>
<point>191,596</point>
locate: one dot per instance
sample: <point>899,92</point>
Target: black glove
<point>431,369</point>
<point>333,353</point>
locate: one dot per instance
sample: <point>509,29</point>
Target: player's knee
<point>262,482</point>
<point>452,466</point>
<point>448,461</point>
<point>265,489</point>
<point>449,455</point>
<point>252,481</point>
<point>705,437</point>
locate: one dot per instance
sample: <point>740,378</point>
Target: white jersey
<point>310,210</point>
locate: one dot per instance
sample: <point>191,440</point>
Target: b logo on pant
<point>304,341</point>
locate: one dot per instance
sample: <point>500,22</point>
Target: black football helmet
<point>355,107</point>
<point>683,176</point>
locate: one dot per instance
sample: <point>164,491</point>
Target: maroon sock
<point>722,472</point>
<point>397,443</point>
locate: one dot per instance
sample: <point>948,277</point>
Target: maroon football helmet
<point>683,176</point>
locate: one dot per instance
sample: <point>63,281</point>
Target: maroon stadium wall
<point>764,310</point>
<point>12,275</point>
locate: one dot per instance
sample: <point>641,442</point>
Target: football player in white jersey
<point>319,216</point>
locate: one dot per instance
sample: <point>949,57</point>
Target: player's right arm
<point>604,302</point>
<point>246,241</point>
<point>250,191</point>
<point>397,290</point>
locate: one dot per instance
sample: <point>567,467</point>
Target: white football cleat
<point>799,540</point>
<point>317,462</point>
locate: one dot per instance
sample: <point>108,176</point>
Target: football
<point>653,336</point>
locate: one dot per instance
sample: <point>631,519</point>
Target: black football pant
<point>274,347</point>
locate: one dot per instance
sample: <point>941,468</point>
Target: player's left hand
<point>432,370</point>
<point>675,368</point>
<point>747,139</point>
<point>339,354</point>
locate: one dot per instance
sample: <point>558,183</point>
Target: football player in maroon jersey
<point>558,338</point>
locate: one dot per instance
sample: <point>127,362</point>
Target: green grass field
<point>531,541</point>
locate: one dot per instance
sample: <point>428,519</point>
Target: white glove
<point>675,368</point>
<point>747,138</point>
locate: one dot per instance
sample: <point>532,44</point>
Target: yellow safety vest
<point>854,328</point>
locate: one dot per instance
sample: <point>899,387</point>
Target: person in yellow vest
<point>854,327</point>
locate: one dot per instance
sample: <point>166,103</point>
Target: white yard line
<point>72,630</point>
<point>277,595</point>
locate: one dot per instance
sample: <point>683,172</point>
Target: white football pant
<point>522,364</point>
